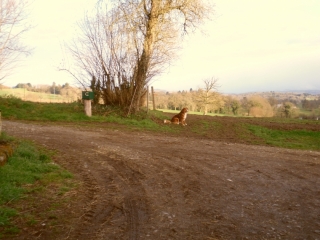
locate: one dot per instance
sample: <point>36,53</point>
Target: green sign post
<point>87,97</point>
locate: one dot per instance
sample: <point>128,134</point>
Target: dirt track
<point>145,186</point>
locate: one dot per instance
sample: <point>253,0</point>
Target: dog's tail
<point>166,121</point>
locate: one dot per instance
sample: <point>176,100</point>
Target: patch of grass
<point>244,134</point>
<point>28,171</point>
<point>5,138</point>
<point>30,219</point>
<point>289,120</point>
<point>5,214</point>
<point>14,108</point>
<point>202,127</point>
<point>296,139</point>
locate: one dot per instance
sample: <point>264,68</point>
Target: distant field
<point>26,95</point>
<point>196,113</point>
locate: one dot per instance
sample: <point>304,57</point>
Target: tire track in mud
<point>115,203</point>
<point>134,201</point>
<point>171,184</point>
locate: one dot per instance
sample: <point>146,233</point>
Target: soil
<point>142,185</point>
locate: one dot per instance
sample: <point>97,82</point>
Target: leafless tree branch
<point>12,27</point>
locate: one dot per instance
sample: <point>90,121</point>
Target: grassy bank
<point>24,181</point>
<point>13,108</point>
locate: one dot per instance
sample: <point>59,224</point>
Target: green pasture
<point>13,108</point>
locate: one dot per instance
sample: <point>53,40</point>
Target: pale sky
<point>250,45</point>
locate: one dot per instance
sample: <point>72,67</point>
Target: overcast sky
<point>250,45</point>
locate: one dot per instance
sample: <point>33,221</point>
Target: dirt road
<point>144,186</point>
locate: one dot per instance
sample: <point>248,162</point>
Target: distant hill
<point>313,92</point>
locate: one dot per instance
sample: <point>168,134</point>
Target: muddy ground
<point>140,185</point>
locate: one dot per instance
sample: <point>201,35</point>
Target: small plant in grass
<point>31,221</point>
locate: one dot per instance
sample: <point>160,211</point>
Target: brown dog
<point>180,118</point>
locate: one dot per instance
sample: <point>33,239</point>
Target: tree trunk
<point>140,82</point>
<point>144,61</point>
<point>205,109</point>
<point>135,106</point>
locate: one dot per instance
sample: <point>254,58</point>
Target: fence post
<point>153,100</point>
<point>87,107</point>
<point>87,97</point>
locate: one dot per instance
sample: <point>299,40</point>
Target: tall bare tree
<point>12,27</point>
<point>208,95</point>
<point>135,40</point>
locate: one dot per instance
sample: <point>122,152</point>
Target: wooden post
<point>153,100</point>
<point>147,99</point>
<point>87,107</point>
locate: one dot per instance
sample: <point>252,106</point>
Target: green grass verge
<point>13,108</point>
<point>27,166</point>
<point>202,127</point>
<point>295,139</point>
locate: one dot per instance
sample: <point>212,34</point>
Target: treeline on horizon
<point>254,105</point>
<point>42,88</point>
<point>251,105</point>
